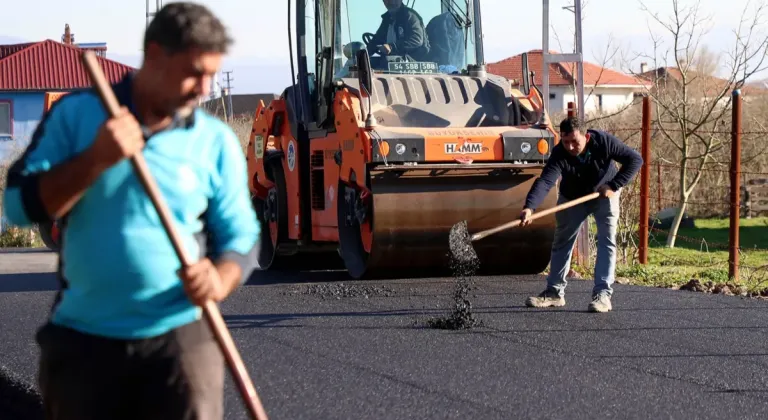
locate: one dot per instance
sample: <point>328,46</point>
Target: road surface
<point>659,354</point>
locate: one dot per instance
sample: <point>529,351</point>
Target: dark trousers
<point>179,375</point>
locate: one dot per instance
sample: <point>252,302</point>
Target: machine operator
<point>401,33</point>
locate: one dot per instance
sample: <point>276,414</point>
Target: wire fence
<point>699,207</point>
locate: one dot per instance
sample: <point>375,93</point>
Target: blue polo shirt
<point>117,266</point>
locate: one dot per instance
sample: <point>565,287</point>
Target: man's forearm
<point>61,187</point>
<point>230,274</point>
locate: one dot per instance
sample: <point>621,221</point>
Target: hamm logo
<point>464,149</point>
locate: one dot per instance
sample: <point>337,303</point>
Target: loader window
<point>442,42</point>
<point>310,37</point>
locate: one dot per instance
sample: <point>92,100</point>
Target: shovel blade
<point>460,242</point>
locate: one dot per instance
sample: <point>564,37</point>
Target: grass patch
<point>713,234</point>
<point>699,260</point>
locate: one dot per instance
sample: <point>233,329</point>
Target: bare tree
<point>692,106</point>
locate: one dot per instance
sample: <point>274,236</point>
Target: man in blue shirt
<point>585,161</point>
<point>125,337</point>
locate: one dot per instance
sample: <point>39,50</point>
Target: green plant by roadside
<point>15,237</point>
<point>697,263</point>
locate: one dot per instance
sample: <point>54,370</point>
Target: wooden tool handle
<point>210,309</point>
<point>483,234</point>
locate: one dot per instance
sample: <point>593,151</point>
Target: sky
<point>259,59</point>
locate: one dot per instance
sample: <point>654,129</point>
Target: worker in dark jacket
<point>585,160</point>
<point>402,33</point>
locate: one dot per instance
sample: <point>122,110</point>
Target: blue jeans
<point>569,221</point>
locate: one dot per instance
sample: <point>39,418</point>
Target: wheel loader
<point>389,135</point>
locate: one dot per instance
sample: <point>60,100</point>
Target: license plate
<point>413,67</point>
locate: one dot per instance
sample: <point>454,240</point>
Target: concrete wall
<point>26,111</point>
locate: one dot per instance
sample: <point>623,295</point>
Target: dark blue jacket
<point>411,34</point>
<point>580,178</point>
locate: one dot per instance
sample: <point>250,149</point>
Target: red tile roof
<point>560,74</point>
<point>6,50</point>
<point>50,65</point>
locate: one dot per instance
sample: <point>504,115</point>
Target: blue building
<point>28,72</point>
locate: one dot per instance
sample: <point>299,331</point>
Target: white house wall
<point>613,98</point>
<point>558,104</point>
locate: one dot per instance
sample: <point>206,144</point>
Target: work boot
<point>601,302</point>
<point>546,299</point>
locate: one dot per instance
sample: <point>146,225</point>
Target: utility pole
<point>158,6</point>
<point>582,243</point>
<point>576,57</point>
<point>148,15</point>
<point>229,94</point>
<point>214,80</point>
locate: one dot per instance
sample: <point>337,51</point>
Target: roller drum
<point>414,210</point>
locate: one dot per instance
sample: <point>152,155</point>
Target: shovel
<point>460,240</point>
<point>210,310</point>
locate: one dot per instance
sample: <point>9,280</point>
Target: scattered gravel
<point>461,317</point>
<point>341,290</point>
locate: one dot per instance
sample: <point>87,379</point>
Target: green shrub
<point>15,237</point>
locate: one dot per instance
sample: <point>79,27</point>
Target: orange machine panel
<point>355,144</point>
<point>354,141</point>
<point>50,98</point>
<point>324,181</point>
<point>262,142</point>
<point>452,143</point>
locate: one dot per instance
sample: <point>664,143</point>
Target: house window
<point>552,96</point>
<point>6,123</point>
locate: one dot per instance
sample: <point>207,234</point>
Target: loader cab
<point>431,37</point>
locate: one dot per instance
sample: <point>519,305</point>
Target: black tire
<point>269,255</point>
<point>285,257</point>
<point>266,250</point>
<point>351,246</point>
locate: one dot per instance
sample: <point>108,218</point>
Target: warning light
<point>384,148</point>
<point>543,146</point>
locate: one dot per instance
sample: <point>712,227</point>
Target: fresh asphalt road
<point>659,354</point>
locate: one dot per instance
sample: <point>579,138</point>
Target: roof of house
<point>560,73</point>
<point>703,83</point>
<point>50,65</point>
<point>244,104</point>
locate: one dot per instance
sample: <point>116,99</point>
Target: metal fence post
<point>733,248</point>
<point>645,181</point>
